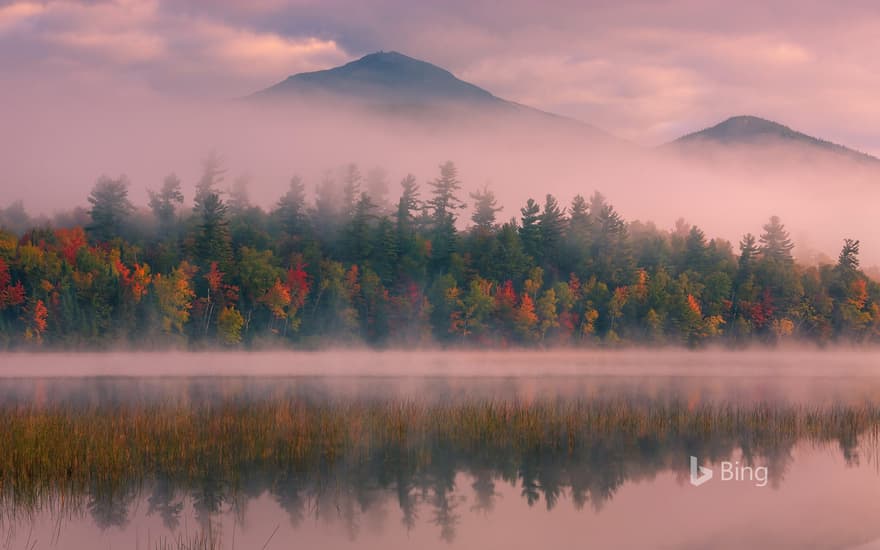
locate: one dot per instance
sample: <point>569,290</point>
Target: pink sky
<point>647,71</point>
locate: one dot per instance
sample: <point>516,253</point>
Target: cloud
<point>139,40</point>
<point>645,70</point>
<point>16,15</point>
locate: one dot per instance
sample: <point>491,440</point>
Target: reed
<point>113,451</point>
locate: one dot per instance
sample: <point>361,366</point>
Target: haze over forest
<point>391,112</point>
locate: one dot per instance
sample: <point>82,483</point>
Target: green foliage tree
<point>530,229</point>
<point>551,229</point>
<point>229,324</point>
<point>165,202</point>
<point>390,277</point>
<point>213,174</point>
<point>110,207</point>
<point>290,211</point>
<point>485,208</point>
<point>776,245</point>
<point>213,243</point>
<point>444,203</point>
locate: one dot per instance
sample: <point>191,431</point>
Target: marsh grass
<point>181,542</point>
<point>99,458</point>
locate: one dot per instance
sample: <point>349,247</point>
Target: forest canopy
<point>349,264</point>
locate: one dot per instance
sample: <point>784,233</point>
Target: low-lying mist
<point>54,150</point>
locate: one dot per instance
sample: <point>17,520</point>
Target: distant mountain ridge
<point>386,77</point>
<point>752,130</point>
<point>391,82</point>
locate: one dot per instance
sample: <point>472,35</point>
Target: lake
<point>440,450</point>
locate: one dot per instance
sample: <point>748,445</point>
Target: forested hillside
<point>362,264</point>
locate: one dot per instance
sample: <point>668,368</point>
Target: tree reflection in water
<point>338,459</point>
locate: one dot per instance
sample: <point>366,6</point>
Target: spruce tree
<point>485,208</point>
<point>110,207</point>
<point>775,242</point>
<point>290,210</point>
<point>529,231</point>
<point>165,202</point>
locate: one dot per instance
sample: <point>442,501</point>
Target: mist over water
<point>466,449</point>
<point>806,362</point>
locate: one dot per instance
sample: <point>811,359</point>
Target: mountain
<point>385,77</point>
<point>752,131</point>
<point>393,83</point>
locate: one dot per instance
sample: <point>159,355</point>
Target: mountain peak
<point>745,128</point>
<point>752,130</point>
<point>386,78</point>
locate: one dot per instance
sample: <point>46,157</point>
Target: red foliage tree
<point>10,295</point>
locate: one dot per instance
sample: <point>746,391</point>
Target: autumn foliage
<point>412,273</point>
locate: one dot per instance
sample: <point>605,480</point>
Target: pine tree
<point>351,190</point>
<point>848,261</point>
<point>529,231</point>
<point>776,244</point>
<point>386,250</point>
<point>327,207</point>
<point>290,210</point>
<point>239,196</point>
<point>213,174</point>
<point>748,253</point>
<point>444,200</point>
<point>110,207</point>
<point>357,232</point>
<point>213,241</point>
<point>165,202</point>
<point>577,237</point>
<point>551,225</point>
<point>377,188</point>
<point>695,251</point>
<point>443,203</point>
<point>408,204</point>
<point>610,252</point>
<point>485,208</point>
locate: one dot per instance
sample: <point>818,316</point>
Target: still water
<point>440,450</point>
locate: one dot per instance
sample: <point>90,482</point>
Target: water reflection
<point>200,456</point>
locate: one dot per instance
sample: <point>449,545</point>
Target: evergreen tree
<point>327,207</point>
<point>213,240</point>
<point>696,251</point>
<point>848,261</point>
<point>577,237</point>
<point>351,190</point>
<point>377,188</point>
<point>110,207</point>
<point>443,203</point>
<point>748,254</point>
<point>530,231</point>
<point>551,228</point>
<point>290,210</point>
<point>485,208</point>
<point>408,204</point>
<point>239,196</point>
<point>775,242</point>
<point>386,250</point>
<point>165,202</point>
<point>610,253</point>
<point>213,174</point>
<point>357,241</point>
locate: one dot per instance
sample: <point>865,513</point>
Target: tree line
<point>351,266</point>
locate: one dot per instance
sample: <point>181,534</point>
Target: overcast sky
<point>647,71</point>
